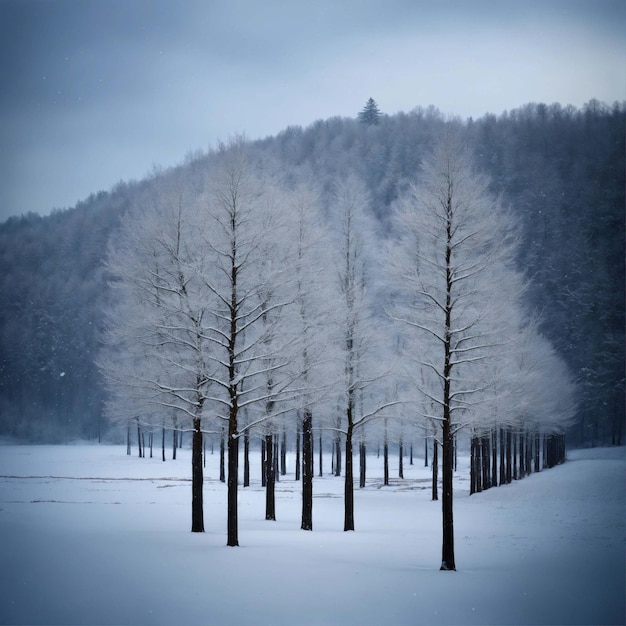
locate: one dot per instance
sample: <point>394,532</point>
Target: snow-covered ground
<point>89,535</point>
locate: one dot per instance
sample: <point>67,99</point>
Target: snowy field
<point>89,535</point>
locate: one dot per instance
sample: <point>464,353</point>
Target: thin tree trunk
<point>246,459</point>
<point>233,470</point>
<point>298,461</point>
<point>509,452</point>
<point>348,521</point>
<point>435,470</point>
<point>362,464</point>
<point>473,481</point>
<point>321,456</point>
<point>163,443</point>
<point>307,470</point>
<point>425,451</point>
<point>494,458</point>
<point>222,458</point>
<point>400,459</point>
<point>411,454</point>
<point>270,483</point>
<point>386,462</point>
<point>502,457</point>
<point>283,453</point>
<point>197,513</point>
<point>337,455</point>
<point>263,466</point>
<point>128,448</point>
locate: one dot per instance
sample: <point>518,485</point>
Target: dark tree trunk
<point>298,460</point>
<point>246,459</point>
<point>411,454</point>
<point>233,469</point>
<point>485,457</point>
<point>386,462</point>
<point>307,471</point>
<point>163,443</point>
<point>400,459</point>
<point>276,453</point>
<point>435,470</point>
<point>537,448</point>
<point>150,437</point>
<point>473,480</point>
<point>425,451</point>
<point>348,520</point>
<point>222,458</point>
<point>502,457</point>
<point>337,466</point>
<point>321,459</point>
<point>197,513</point>
<point>263,466</point>
<point>283,454</point>
<point>139,440</point>
<point>509,450</point>
<point>447,548</point>
<point>514,452</point>
<point>494,458</point>
<point>128,448</point>
<point>174,442</point>
<point>362,464</point>
<point>270,483</point>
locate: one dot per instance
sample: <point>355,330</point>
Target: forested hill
<point>561,170</point>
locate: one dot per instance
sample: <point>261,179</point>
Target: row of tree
<point>560,169</point>
<point>235,309</point>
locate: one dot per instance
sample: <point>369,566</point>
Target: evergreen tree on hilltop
<point>370,114</point>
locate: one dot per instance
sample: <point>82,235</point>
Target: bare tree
<point>155,359</point>
<point>451,261</point>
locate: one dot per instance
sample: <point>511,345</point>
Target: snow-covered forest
<point>556,175</point>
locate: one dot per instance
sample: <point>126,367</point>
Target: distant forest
<point>561,170</point>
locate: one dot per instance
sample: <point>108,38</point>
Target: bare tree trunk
<point>348,521</point>
<point>283,453</point>
<point>307,470</point>
<point>163,443</point>
<point>263,466</point>
<point>270,484</point>
<point>400,459</point>
<point>233,470</point>
<point>337,454</point>
<point>197,513</point>
<point>298,461</point>
<point>502,457</point>
<point>362,464</point>
<point>435,470</point>
<point>321,456</point>
<point>222,458</point>
<point>385,462</point>
<point>494,458</point>
<point>139,448</point>
<point>246,459</point>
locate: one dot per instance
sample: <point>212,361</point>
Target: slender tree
<point>451,261</point>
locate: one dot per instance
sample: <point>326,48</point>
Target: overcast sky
<point>97,91</point>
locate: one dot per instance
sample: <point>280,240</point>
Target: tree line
<point>250,299</point>
<point>560,169</point>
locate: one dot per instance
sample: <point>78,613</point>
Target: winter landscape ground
<point>89,535</point>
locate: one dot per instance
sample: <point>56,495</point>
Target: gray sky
<point>97,91</point>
